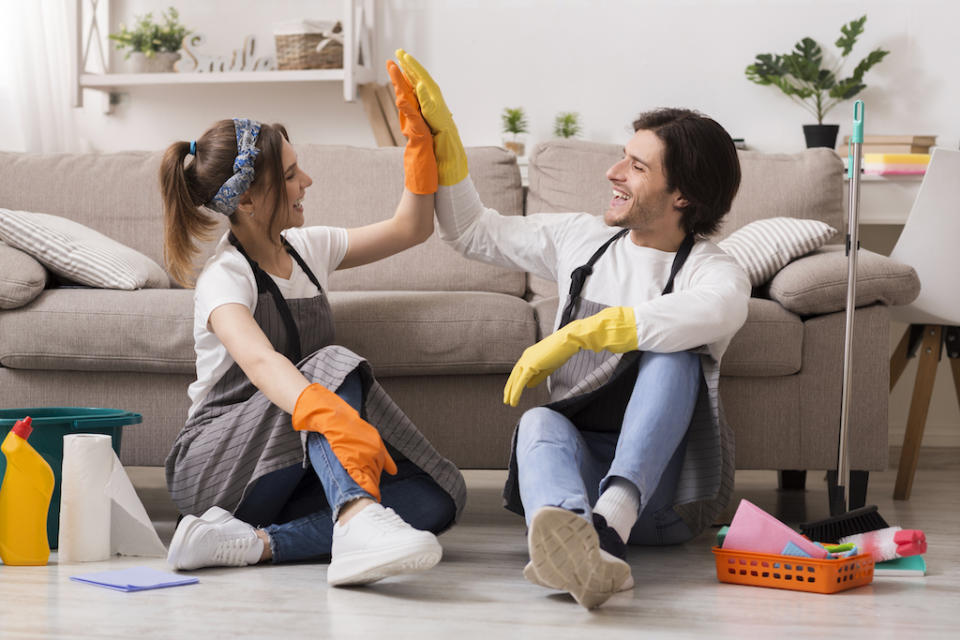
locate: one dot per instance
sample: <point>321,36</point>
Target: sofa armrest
<point>545,309</point>
<point>817,283</point>
<point>22,278</point>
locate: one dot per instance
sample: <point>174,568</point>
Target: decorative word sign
<point>238,60</point>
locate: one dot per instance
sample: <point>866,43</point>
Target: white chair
<point>930,243</point>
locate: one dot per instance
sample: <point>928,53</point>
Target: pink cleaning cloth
<point>753,529</point>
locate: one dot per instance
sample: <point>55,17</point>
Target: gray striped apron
<point>592,390</point>
<point>237,435</point>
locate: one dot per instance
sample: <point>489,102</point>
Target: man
<point>633,447</point>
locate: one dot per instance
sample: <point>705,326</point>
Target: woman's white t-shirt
<point>227,278</point>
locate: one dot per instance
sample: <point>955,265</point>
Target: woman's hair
<point>700,160</point>
<point>187,187</point>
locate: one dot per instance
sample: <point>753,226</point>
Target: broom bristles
<point>857,521</point>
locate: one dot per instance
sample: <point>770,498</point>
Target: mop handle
<point>854,156</point>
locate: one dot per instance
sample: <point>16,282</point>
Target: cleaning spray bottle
<point>24,500</point>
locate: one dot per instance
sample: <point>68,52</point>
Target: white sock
<point>619,505</point>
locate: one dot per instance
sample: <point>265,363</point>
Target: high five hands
<point>451,158</point>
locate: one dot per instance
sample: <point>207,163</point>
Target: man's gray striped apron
<point>238,435</point>
<point>592,390</point>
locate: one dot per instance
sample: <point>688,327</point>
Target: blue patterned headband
<point>225,201</point>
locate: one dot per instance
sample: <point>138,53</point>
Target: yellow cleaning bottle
<point>24,500</point>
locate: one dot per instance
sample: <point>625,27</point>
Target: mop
<point>843,523</point>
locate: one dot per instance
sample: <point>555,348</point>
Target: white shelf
<point>358,27</point>
<point>123,80</point>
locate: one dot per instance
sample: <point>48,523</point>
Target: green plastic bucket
<point>50,424</point>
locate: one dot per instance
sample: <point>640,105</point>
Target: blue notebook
<point>134,579</point>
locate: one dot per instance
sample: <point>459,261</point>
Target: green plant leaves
<point>151,38</point>
<point>801,75</point>
<point>850,33</point>
<point>514,120</point>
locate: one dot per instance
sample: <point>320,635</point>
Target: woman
<point>267,369</point>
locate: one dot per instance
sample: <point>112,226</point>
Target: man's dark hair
<point>699,160</point>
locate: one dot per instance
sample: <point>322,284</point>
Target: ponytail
<point>183,221</point>
<point>187,187</point>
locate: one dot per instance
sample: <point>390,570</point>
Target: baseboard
<point>934,435</point>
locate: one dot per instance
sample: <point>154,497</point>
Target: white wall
<point>607,59</point>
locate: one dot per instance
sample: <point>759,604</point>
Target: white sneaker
<point>565,554</point>
<point>220,541</point>
<point>377,543</point>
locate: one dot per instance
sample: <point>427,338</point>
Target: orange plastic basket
<point>792,572</point>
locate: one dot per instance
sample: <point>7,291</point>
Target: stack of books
<point>895,164</point>
<point>894,144</point>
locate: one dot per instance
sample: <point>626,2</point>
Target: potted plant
<point>515,126</point>
<point>803,76</point>
<point>567,125</point>
<point>152,47</point>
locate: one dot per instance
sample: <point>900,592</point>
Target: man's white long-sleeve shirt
<point>709,300</point>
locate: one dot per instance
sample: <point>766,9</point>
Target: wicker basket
<point>299,51</point>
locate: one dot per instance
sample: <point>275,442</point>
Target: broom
<point>843,523</point>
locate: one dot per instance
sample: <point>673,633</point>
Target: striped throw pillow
<point>764,247</point>
<point>79,253</point>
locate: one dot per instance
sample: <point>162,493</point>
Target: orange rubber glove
<point>354,441</point>
<point>419,162</point>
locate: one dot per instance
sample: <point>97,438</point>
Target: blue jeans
<point>297,507</point>
<point>561,466</point>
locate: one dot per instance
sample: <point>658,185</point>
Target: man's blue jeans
<point>297,506</point>
<point>561,466</point>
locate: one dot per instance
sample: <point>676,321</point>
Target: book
<point>909,566</point>
<point>893,144</point>
<point>895,163</point>
<point>895,148</point>
<point>918,140</point>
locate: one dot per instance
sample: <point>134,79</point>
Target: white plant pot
<point>157,63</point>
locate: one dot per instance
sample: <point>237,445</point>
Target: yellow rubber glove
<point>451,158</point>
<point>613,329</point>
<point>354,441</point>
<point>419,163</point>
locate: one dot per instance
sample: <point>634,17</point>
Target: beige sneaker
<point>565,554</point>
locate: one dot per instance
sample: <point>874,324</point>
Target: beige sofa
<point>442,332</point>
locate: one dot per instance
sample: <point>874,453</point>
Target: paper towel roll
<point>84,502</point>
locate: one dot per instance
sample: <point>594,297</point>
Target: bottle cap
<point>22,428</point>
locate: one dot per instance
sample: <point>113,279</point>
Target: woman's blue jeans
<point>297,507</point>
<point>561,466</point>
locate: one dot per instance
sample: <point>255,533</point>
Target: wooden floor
<point>477,590</point>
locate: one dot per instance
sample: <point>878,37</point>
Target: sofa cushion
<point>434,332</point>
<point>807,184</point>
<point>354,187</point>
<point>763,247</point>
<point>817,284</point>
<point>117,194</point>
<point>770,343</point>
<point>22,278</point>
<point>79,253</point>
<point>570,175</point>
<point>151,331</point>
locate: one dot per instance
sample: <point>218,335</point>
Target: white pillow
<point>765,246</point>
<point>79,253</point>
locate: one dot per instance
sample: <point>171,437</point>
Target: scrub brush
<point>857,521</point>
<point>889,543</point>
